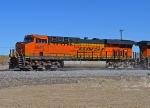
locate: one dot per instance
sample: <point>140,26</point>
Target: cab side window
<point>41,41</point>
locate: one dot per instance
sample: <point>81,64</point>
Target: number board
<point>39,47</point>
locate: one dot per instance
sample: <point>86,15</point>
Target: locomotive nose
<point>20,48</point>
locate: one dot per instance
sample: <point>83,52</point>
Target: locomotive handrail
<point>80,56</point>
<point>142,55</point>
<point>49,54</point>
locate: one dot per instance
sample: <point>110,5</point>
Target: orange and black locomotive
<point>41,52</point>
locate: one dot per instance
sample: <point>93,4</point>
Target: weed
<point>4,59</point>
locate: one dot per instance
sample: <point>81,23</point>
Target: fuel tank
<point>84,64</point>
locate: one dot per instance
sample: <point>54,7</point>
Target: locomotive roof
<point>122,42</point>
<point>143,43</point>
<point>76,39</point>
<point>94,40</point>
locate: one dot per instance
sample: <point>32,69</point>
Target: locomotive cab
<point>144,47</point>
<point>32,46</point>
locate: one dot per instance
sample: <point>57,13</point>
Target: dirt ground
<point>86,93</point>
<point>4,66</point>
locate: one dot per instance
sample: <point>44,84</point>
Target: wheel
<point>61,64</point>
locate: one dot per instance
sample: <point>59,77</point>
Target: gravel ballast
<point>20,78</point>
<point>77,73</point>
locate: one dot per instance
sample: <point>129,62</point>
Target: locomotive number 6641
<point>39,47</point>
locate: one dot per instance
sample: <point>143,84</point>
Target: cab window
<point>41,41</point>
<point>28,40</point>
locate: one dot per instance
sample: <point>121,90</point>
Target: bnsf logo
<point>89,49</point>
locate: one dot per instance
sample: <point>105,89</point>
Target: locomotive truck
<point>41,52</point>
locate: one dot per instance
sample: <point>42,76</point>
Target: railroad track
<point>78,69</point>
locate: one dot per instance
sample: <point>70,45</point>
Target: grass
<point>4,59</point>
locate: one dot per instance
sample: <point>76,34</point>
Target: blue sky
<point>77,18</point>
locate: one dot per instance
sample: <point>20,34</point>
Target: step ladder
<point>148,64</point>
<point>21,61</point>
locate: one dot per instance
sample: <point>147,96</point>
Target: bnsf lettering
<point>89,49</point>
<point>39,47</point>
<point>96,49</point>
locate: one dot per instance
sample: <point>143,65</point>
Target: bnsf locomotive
<point>40,52</point>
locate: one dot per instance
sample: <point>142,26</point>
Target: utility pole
<point>121,33</point>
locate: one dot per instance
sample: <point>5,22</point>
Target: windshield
<point>27,40</point>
